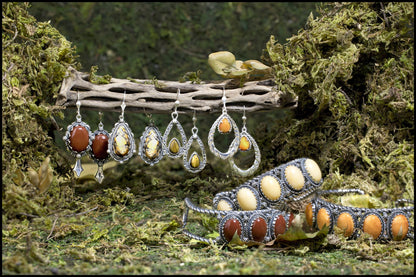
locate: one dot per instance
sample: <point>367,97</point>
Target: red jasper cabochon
<point>230,226</point>
<point>100,146</point>
<point>259,229</point>
<point>280,225</point>
<point>79,138</point>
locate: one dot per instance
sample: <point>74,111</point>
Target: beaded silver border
<point>181,151</point>
<point>130,135</point>
<point>202,162</point>
<point>257,156</point>
<point>233,147</point>
<point>142,149</point>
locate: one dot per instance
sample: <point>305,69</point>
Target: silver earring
<point>175,149</point>
<point>246,142</point>
<point>151,146</point>
<point>121,145</point>
<point>225,124</point>
<point>194,164</point>
<point>99,149</point>
<point>78,139</point>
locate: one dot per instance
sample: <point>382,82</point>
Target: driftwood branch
<point>143,96</point>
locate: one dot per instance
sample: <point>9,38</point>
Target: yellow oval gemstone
<point>246,199</point>
<point>346,223</point>
<point>322,218</point>
<point>224,126</point>
<point>121,144</point>
<point>294,177</point>
<point>270,187</point>
<point>194,161</point>
<point>174,146</point>
<point>223,205</point>
<point>372,225</point>
<point>152,145</point>
<point>309,214</point>
<point>399,227</point>
<point>313,169</point>
<point>244,144</point>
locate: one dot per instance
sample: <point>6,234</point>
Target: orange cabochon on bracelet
<point>399,227</point>
<point>322,218</point>
<point>309,214</point>
<point>259,229</point>
<point>372,225</point>
<point>346,223</point>
<point>231,226</point>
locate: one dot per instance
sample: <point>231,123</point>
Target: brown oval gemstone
<point>346,223</point>
<point>280,225</point>
<point>309,214</point>
<point>322,218</point>
<point>399,227</point>
<point>230,227</point>
<point>259,229</point>
<point>79,138</point>
<point>291,218</point>
<point>100,146</point>
<point>372,225</point>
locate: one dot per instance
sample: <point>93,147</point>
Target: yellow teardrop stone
<point>174,146</point>
<point>194,161</point>
<point>224,126</point>
<point>244,144</point>
<point>121,143</point>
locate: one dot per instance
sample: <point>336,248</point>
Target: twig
<point>68,215</point>
<point>53,227</point>
<point>14,37</point>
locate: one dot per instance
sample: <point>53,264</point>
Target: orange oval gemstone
<point>346,223</point>
<point>100,146</point>
<point>322,218</point>
<point>280,225</point>
<point>244,143</point>
<point>372,225</point>
<point>259,229</point>
<point>399,227</point>
<point>79,138</point>
<point>309,214</point>
<point>230,227</point>
<point>224,126</point>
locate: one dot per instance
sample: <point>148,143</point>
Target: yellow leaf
<point>33,177</point>
<point>46,181</point>
<point>254,64</point>
<point>221,60</point>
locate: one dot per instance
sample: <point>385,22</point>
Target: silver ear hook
<point>175,112</point>
<point>123,106</point>
<point>78,103</point>
<point>224,100</point>
<point>244,129</point>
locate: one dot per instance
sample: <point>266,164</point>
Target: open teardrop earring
<point>151,146</point>
<point>99,149</point>
<point>225,124</point>
<point>78,138</point>
<point>174,149</point>
<point>121,145</point>
<point>194,164</point>
<point>246,142</point>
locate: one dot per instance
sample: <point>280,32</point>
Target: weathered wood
<point>143,96</point>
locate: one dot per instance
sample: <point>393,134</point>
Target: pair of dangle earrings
<point>243,141</point>
<point>176,148</point>
<point>81,141</point>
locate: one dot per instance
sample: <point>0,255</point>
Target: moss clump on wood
<point>352,69</point>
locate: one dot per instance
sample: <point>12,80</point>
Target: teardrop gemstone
<point>244,144</point>
<point>174,146</point>
<point>152,145</point>
<point>194,161</point>
<point>79,138</point>
<point>259,229</point>
<point>121,143</point>
<point>231,226</point>
<point>100,146</point>
<point>280,225</point>
<point>224,126</point>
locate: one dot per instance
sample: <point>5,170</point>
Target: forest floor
<point>136,234</point>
